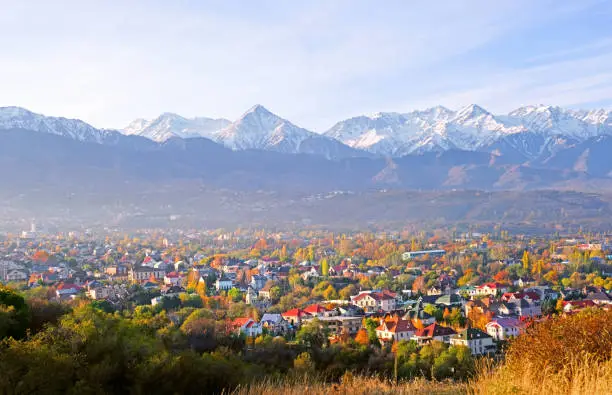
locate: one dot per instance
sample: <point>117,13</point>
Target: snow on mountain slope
<point>20,118</point>
<point>471,128</point>
<point>258,128</point>
<point>170,125</point>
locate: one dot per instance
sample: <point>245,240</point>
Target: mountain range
<point>55,162</point>
<point>528,133</point>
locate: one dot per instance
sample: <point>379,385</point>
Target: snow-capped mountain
<point>170,125</point>
<point>20,118</point>
<point>528,133</point>
<point>531,130</point>
<point>260,129</point>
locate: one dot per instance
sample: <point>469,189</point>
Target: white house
<point>491,289</point>
<point>479,342</point>
<point>395,329</point>
<point>173,279</point>
<point>248,326</point>
<point>223,284</point>
<point>504,328</point>
<point>15,275</point>
<point>374,301</point>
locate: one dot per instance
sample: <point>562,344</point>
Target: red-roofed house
<point>173,279</point>
<point>316,310</point>
<point>395,329</point>
<point>433,332</point>
<point>295,316</point>
<point>247,325</point>
<point>65,291</point>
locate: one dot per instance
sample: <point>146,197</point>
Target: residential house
<point>316,310</point>
<point>173,279</point>
<point>599,297</point>
<point>144,273</point>
<point>264,293</point>
<point>449,300</point>
<point>395,329</point>
<point>67,291</point>
<point>479,342</point>
<point>372,301</point>
<point>417,312</point>
<point>15,275</point>
<point>504,328</point>
<point>101,292</point>
<point>339,325</point>
<point>491,289</point>
<point>274,323</point>
<point>295,316</point>
<point>433,332</point>
<point>248,326</point>
<point>311,272</point>
<point>575,305</point>
<point>258,281</point>
<point>224,283</point>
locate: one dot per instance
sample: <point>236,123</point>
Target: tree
<point>324,265</point>
<point>275,292</point>
<point>370,325</point>
<point>235,294</point>
<point>362,337</point>
<point>537,267</point>
<point>346,292</point>
<point>525,260</point>
<point>304,363</point>
<point>14,314</point>
<point>312,334</point>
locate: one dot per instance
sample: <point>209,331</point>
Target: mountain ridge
<point>529,133</point>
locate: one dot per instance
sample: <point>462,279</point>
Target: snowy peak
<point>259,128</point>
<point>20,118</point>
<point>471,128</point>
<point>472,112</point>
<point>169,125</point>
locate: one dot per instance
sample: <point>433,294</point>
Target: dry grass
<point>353,386</point>
<point>582,376</point>
<point>565,355</point>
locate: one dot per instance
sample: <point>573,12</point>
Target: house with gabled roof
<point>316,310</point>
<point>295,316</point>
<point>395,329</point>
<point>274,323</point>
<point>433,332</point>
<point>479,342</point>
<point>248,326</point>
<point>504,328</point>
<point>372,301</point>
<point>491,289</point>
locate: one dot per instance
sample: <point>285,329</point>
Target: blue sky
<point>314,62</point>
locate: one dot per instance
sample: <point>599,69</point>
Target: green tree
<point>235,294</point>
<point>14,314</point>
<point>312,334</point>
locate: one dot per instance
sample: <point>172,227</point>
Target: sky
<point>313,62</point>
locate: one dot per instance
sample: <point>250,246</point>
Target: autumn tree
<point>525,260</point>
<point>362,337</point>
